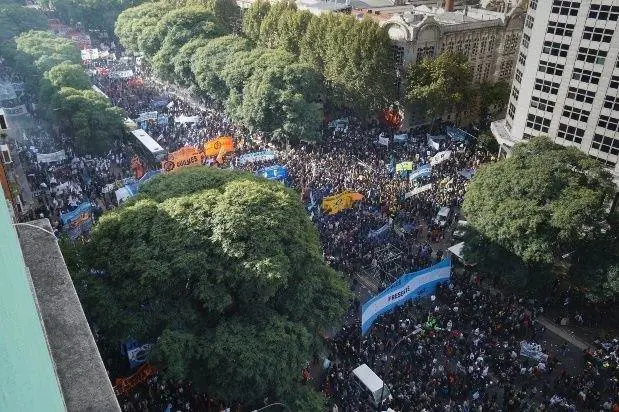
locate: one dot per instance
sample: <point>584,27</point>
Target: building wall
<point>567,77</point>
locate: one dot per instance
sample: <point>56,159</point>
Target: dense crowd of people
<point>459,352</point>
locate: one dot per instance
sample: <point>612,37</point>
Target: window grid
<point>515,93</point>
<point>592,55</point>
<point>526,39</point>
<point>598,34</point>
<point>551,68</point>
<point>586,76</point>
<point>575,113</point>
<point>570,133</point>
<point>542,104</point>
<point>522,58</point>
<point>611,102</point>
<point>609,123</point>
<point>605,144</point>
<point>511,111</point>
<point>604,12</point>
<point>580,95</point>
<point>528,21</point>
<point>560,29</point>
<point>538,123</point>
<point>555,49</point>
<point>614,82</point>
<point>565,8</point>
<point>546,86</point>
<point>518,76</point>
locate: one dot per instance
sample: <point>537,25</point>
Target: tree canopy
<point>15,19</point>
<point>46,50</point>
<point>434,86</point>
<point>224,272</point>
<point>540,204</point>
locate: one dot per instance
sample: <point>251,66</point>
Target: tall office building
<point>567,78</point>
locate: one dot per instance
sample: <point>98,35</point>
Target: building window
<point>538,123</point>
<point>542,104</point>
<point>604,12</point>
<point>555,49</point>
<point>546,86</point>
<point>518,76</point>
<point>515,93</point>
<point>565,8</point>
<point>605,144</point>
<point>586,76</point>
<point>614,82</point>
<point>605,162</point>
<point>511,112</point>
<point>526,39</point>
<point>506,68</point>
<point>609,123</point>
<point>598,34</point>
<point>522,58</point>
<point>425,53</point>
<point>580,95</point>
<point>611,102</point>
<point>551,68</point>
<point>574,113</point>
<point>533,4</point>
<point>560,29</point>
<point>571,133</point>
<point>528,21</point>
<point>596,56</point>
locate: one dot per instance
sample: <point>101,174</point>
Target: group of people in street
<point>459,351</point>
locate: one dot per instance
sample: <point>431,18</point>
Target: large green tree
<point>46,50</point>
<point>15,19</point>
<point>89,117</point>
<point>543,203</point>
<point>224,272</point>
<point>434,86</point>
<point>93,14</point>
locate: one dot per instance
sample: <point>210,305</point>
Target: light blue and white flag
<point>276,172</point>
<point>421,172</point>
<point>256,157</point>
<point>408,286</point>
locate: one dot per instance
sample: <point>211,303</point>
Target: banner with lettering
<point>185,157</point>
<point>276,172</point>
<point>147,116</point>
<point>408,286</point>
<point>58,156</point>
<point>120,74</point>
<point>90,54</point>
<point>214,147</point>
<point>440,157</point>
<point>262,156</point>
<point>336,203</point>
<point>78,221</point>
<point>418,190</point>
<point>15,111</point>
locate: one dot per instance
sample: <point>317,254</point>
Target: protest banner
<point>408,286</point>
<point>257,157</point>
<point>404,166</point>
<point>58,156</point>
<point>90,54</point>
<point>276,172</point>
<point>336,203</point>
<point>78,221</point>
<point>185,157</point>
<point>418,190</point>
<point>440,157</point>
<point>214,147</point>
<point>421,172</point>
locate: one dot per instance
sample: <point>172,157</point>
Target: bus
<point>147,146</point>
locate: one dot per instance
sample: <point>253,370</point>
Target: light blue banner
<point>78,221</point>
<point>276,172</point>
<point>421,172</point>
<point>408,286</point>
<point>379,232</point>
<point>256,157</point>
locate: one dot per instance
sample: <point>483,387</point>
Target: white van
<point>370,383</point>
<point>442,216</point>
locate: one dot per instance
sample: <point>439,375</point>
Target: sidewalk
<point>563,333</point>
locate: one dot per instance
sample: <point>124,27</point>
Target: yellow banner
<point>336,203</point>
<point>400,167</point>
<point>219,146</point>
<point>184,157</point>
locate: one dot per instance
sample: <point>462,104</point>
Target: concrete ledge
<point>80,370</point>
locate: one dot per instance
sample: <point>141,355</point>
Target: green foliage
<point>228,14</point>
<point>541,203</point>
<point>134,25</point>
<point>93,14</point>
<point>488,142</point>
<point>16,19</point>
<point>46,50</point>
<point>209,60</point>
<point>68,75</point>
<point>494,96</point>
<point>94,123</point>
<point>224,271</point>
<point>253,17</point>
<point>437,85</point>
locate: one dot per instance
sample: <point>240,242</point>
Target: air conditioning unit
<point>3,124</point>
<point>5,154</point>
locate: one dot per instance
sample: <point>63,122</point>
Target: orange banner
<point>124,386</point>
<point>219,146</point>
<point>184,157</point>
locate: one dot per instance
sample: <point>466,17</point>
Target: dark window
<point>571,133</point>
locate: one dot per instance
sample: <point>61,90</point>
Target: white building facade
<point>566,80</point>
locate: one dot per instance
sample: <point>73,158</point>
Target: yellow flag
<point>336,203</point>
